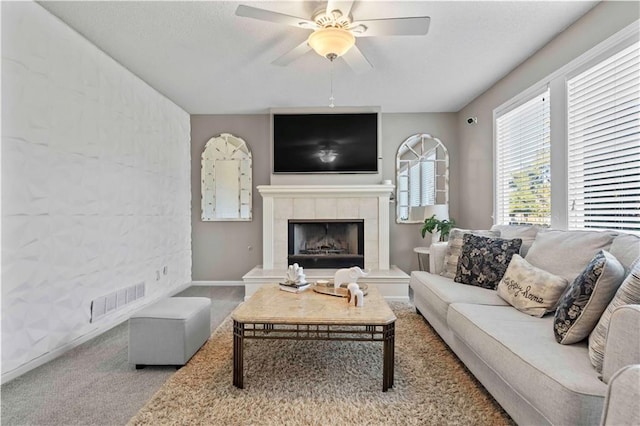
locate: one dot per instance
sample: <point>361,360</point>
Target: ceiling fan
<point>335,31</point>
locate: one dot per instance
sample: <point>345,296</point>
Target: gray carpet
<point>93,384</point>
<point>325,383</point>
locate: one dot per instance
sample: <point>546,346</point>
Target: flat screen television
<point>325,143</point>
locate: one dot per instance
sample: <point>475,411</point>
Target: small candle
<point>359,298</point>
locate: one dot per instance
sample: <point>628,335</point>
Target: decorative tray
<point>327,288</point>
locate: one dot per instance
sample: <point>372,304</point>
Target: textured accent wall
<point>96,189</point>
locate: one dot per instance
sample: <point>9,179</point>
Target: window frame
<point>557,83</point>
<point>528,95</point>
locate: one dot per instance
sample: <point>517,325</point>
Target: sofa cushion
<point>529,289</point>
<point>527,233</point>
<point>557,380</point>
<point>439,292</point>
<point>627,294</point>
<point>567,253</point>
<point>484,260</point>
<point>586,298</point>
<point>626,248</point>
<point>454,248</point>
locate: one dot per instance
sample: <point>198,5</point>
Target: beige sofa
<point>515,356</point>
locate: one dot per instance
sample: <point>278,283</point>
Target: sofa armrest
<point>623,340</point>
<point>623,393</point>
<point>436,257</point>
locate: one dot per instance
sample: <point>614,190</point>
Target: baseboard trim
<point>218,283</point>
<point>103,327</point>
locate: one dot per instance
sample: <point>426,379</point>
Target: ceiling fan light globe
<point>331,41</point>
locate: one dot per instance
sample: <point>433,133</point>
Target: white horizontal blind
<point>403,193</point>
<point>414,184</point>
<point>523,182</point>
<point>604,144</point>
<point>428,187</point>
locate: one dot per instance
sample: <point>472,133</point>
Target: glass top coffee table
<point>274,314</point>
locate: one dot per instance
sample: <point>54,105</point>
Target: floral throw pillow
<point>454,248</point>
<point>587,297</point>
<point>484,260</point>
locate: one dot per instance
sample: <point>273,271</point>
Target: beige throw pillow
<point>454,249</point>
<point>529,289</point>
<point>525,232</point>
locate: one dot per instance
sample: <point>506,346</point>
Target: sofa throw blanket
<point>484,260</point>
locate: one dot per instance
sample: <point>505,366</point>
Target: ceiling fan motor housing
<point>332,19</point>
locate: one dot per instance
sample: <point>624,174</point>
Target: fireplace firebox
<point>326,243</point>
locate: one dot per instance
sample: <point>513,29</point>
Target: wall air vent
<point>116,300</point>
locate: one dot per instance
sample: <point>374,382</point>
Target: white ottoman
<point>170,331</point>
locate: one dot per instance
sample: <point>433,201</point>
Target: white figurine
<point>295,274</point>
<point>347,275</point>
<point>351,291</point>
<point>359,298</point>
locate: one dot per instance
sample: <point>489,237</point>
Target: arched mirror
<point>226,179</point>
<point>422,179</point>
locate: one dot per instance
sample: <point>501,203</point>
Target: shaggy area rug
<point>325,383</point>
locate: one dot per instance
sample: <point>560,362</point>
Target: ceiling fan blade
<point>278,18</point>
<point>418,25</point>
<point>356,60</point>
<point>343,6</point>
<point>293,54</point>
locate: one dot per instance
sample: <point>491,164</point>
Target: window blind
<point>403,193</point>
<point>414,184</point>
<point>604,144</point>
<point>428,186</point>
<point>523,182</point>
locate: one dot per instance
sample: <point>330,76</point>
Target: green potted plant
<point>442,227</point>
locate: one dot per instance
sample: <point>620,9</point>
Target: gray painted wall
<point>395,129</point>
<point>220,249</point>
<point>225,251</point>
<point>476,142</point>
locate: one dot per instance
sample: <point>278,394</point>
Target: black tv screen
<point>325,143</point>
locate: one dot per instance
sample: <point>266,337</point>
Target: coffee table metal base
<point>340,332</point>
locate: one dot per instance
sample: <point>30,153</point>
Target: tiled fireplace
<point>326,204</point>
<point>369,203</point>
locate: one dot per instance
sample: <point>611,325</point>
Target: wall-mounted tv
<point>325,143</point>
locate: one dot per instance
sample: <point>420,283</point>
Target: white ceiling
<point>210,61</point>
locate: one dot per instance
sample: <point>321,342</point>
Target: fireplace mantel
<point>326,190</point>
<point>284,202</point>
<point>370,203</point>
